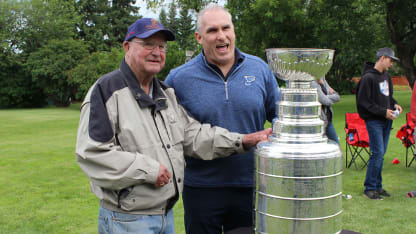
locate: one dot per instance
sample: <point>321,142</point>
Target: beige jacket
<point>124,136</point>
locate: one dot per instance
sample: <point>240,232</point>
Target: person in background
<point>376,105</point>
<point>133,135</point>
<point>327,96</point>
<point>228,88</point>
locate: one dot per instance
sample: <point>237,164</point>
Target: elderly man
<point>376,105</point>
<point>234,90</point>
<point>133,135</point>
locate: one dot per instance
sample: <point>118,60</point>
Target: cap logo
<point>154,25</point>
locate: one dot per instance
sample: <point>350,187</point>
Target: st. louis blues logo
<point>249,80</point>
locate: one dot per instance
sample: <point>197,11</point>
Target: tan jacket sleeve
<point>107,165</point>
<point>208,142</point>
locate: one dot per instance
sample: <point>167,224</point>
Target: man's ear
<point>198,37</point>
<point>126,46</point>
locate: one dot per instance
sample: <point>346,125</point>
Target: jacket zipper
<point>225,82</point>
<point>226,90</point>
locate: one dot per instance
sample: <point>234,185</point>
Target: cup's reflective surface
<point>299,173</point>
<point>294,64</point>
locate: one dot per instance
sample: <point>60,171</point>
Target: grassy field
<point>44,191</point>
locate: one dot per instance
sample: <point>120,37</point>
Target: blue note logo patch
<point>249,80</point>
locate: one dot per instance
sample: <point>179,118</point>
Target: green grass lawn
<point>44,191</point>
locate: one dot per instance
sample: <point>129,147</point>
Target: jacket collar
<point>238,58</point>
<point>159,101</point>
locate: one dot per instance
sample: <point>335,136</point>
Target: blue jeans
<point>331,133</point>
<point>111,222</point>
<point>378,133</point>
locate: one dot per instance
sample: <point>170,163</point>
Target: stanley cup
<point>299,172</point>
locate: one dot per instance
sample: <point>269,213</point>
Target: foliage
<point>26,26</point>
<point>359,23</point>
<point>10,12</point>
<point>44,20</point>
<point>174,58</point>
<point>185,34</point>
<point>37,41</point>
<point>93,24</point>
<point>285,22</point>
<point>93,67</point>
<point>196,5</point>
<point>172,20</point>
<point>48,66</point>
<point>17,88</point>
<point>183,27</point>
<point>104,23</point>
<point>163,18</point>
<point>120,16</point>
<point>401,22</point>
<point>343,25</point>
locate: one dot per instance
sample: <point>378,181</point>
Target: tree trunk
<point>406,62</point>
<point>405,41</point>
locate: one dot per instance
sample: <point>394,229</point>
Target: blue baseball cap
<point>146,27</point>
<point>388,52</point>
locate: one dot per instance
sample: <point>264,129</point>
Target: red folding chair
<point>405,134</point>
<point>356,140</point>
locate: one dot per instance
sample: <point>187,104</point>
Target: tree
<point>26,26</point>
<point>175,57</point>
<point>16,86</point>
<point>93,25</point>
<point>183,29</point>
<point>355,29</point>
<point>185,34</point>
<point>195,5</point>
<point>352,27</point>
<point>48,66</point>
<point>163,18</point>
<point>172,21</point>
<point>104,22</point>
<point>401,23</point>
<point>121,15</point>
<point>10,13</point>
<point>270,23</point>
<point>92,67</point>
<point>43,21</point>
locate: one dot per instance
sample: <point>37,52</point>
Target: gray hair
<point>210,7</point>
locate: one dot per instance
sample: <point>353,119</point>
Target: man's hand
<point>252,139</point>
<point>398,107</point>
<point>390,114</point>
<point>163,177</point>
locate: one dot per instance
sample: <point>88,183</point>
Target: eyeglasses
<point>151,46</point>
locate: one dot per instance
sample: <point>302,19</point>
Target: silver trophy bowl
<point>299,173</point>
<point>292,64</point>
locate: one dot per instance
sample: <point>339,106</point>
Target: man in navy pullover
<point>376,105</point>
<point>224,87</point>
